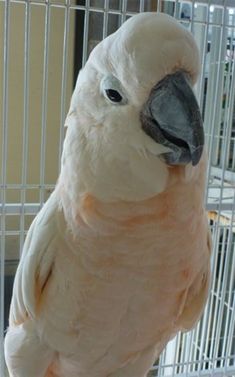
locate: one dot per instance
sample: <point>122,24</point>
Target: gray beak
<point>171,117</point>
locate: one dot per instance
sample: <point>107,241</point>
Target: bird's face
<point>134,97</point>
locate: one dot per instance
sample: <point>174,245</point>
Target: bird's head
<point>133,112</point>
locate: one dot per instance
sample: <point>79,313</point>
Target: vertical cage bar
<point>229,109</point>
<point>229,351</point>
<point>176,9</point>
<point>226,126</point>
<point>215,292</point>
<point>204,330</point>
<point>85,33</point>
<point>25,123</point>
<point>4,173</point>
<point>123,14</point>
<point>141,6</point>
<point>159,5</point>
<point>204,52</point>
<point>208,312</point>
<point>229,328</point>
<point>105,22</point>
<point>192,18</point>
<point>177,353</point>
<point>169,357</point>
<point>190,337</point>
<point>230,283</point>
<point>64,78</point>
<point>44,103</point>
<point>216,106</point>
<point>221,295</point>
<point>183,353</point>
<point>197,344</point>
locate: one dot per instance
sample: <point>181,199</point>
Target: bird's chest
<point>112,291</point>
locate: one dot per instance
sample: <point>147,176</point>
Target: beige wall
<point>16,90</point>
<point>16,101</point>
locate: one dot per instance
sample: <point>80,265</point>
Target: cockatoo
<point>118,259</point>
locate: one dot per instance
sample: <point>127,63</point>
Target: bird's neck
<point>182,196</point>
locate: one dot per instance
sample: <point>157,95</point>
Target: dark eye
<point>113,95</point>
<point>112,90</point>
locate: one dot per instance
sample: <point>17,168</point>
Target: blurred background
<point>43,45</point>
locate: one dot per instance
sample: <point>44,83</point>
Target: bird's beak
<point>171,116</point>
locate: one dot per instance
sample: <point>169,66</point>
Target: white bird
<point>118,259</point>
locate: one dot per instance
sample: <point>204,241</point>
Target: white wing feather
<point>26,354</point>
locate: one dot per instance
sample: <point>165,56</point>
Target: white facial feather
<point>105,144</point>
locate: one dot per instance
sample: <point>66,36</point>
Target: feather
<point>118,259</point>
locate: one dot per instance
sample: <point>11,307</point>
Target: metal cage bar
<point>3,173</point>
<point>64,78</point>
<point>25,122</point>
<point>44,98</point>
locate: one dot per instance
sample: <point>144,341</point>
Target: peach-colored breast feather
<point>129,285</point>
<point>132,285</point>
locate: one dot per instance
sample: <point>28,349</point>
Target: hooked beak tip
<point>196,155</point>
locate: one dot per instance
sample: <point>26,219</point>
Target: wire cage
<point>43,44</point>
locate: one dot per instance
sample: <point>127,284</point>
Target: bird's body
<point>117,261</point>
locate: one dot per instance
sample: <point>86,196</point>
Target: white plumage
<point>117,261</point>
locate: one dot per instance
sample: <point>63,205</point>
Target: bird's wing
<point>26,354</point>
<point>197,293</point>
<point>36,264</point>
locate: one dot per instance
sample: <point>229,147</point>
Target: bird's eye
<point>113,95</point>
<point>112,90</point>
